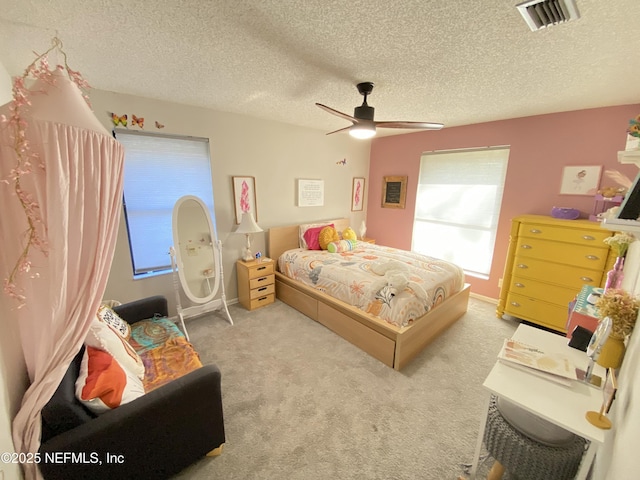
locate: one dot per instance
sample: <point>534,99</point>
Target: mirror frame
<point>214,245</point>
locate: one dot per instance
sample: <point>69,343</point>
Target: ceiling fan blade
<point>337,113</point>
<point>417,125</point>
<point>340,130</point>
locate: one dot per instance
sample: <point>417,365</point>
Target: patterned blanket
<point>395,285</point>
<point>164,350</point>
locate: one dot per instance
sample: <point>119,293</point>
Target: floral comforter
<point>395,285</point>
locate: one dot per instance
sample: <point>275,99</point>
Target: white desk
<point>563,405</point>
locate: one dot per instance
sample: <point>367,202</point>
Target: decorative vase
<point>615,275</point>
<point>363,230</point>
<point>612,352</point>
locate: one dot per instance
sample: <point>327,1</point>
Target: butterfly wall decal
<point>137,121</point>
<point>342,162</point>
<point>119,119</point>
<point>159,125</point>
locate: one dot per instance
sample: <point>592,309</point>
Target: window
<point>458,206</point>
<point>158,170</point>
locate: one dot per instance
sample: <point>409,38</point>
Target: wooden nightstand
<point>256,283</point>
<point>368,240</point>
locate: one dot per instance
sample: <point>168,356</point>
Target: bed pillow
<point>327,235</point>
<point>309,235</point>
<point>105,338</point>
<point>103,384</point>
<point>111,318</point>
<point>341,246</point>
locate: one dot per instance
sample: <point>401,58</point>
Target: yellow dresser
<point>548,262</point>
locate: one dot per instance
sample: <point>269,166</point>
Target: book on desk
<point>553,366</point>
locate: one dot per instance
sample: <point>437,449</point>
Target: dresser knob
<point>592,257</point>
<point>535,230</point>
<point>588,237</point>
<point>522,265</point>
<point>515,304</point>
<point>586,279</point>
<point>526,246</point>
<point>519,285</point>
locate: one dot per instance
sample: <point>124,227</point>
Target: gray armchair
<point>154,436</point>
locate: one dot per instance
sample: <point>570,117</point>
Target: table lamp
<point>248,226</point>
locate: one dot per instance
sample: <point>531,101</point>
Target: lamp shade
<point>248,224</point>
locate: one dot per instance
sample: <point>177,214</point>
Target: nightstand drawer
<point>260,269</point>
<point>542,313</point>
<point>590,257</point>
<point>261,281</point>
<point>564,275</point>
<point>262,291</point>
<point>262,301</point>
<point>564,234</point>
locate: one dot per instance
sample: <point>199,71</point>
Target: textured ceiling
<point>455,62</point>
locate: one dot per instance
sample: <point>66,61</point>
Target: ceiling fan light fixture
<point>362,131</point>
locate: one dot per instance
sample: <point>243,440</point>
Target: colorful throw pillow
<point>327,235</point>
<point>105,338</point>
<point>311,237</point>
<point>111,318</point>
<point>349,234</point>
<point>302,241</point>
<point>103,384</point>
<point>341,246</point>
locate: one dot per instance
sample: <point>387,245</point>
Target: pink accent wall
<point>540,147</point>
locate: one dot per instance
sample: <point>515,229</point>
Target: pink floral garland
<point>25,158</point>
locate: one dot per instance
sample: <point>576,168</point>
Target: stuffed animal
<point>349,234</point>
<point>610,192</point>
<point>394,279</point>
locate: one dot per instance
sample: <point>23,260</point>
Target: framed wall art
<point>394,191</point>
<point>580,180</point>
<point>244,197</point>
<point>310,193</point>
<point>357,194</point>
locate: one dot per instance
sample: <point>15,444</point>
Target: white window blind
<point>458,206</point>
<point>158,170</point>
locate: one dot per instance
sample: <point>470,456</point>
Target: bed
<point>393,342</point>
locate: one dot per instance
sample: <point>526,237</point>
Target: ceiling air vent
<point>544,13</point>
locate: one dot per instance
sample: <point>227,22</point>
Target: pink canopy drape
<point>80,194</point>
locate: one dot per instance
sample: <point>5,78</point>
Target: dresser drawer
<point>537,311</point>
<point>564,234</point>
<point>564,275</point>
<point>262,291</point>
<point>589,257</point>
<point>555,294</point>
<point>260,269</point>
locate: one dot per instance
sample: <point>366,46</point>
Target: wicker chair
<point>528,447</point>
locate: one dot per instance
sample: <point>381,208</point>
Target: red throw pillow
<point>311,237</point>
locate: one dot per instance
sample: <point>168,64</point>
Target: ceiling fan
<point>364,126</point>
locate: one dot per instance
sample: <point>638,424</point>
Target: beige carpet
<point>302,403</point>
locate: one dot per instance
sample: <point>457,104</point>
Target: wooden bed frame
<point>392,345</point>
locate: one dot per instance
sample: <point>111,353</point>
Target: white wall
<point>13,371</point>
<point>617,459</point>
<point>276,154</point>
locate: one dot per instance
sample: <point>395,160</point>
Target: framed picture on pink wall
<point>580,179</point>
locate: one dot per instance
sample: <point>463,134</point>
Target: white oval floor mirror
<point>196,260</point>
